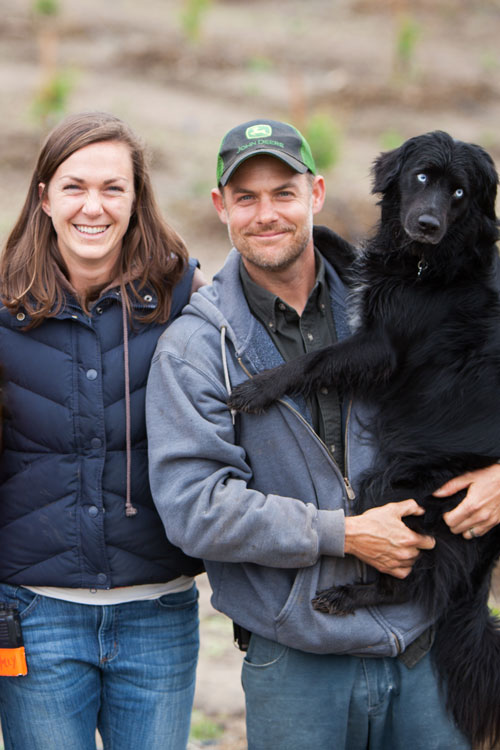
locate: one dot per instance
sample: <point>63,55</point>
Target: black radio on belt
<point>12,654</point>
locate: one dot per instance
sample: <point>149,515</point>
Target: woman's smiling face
<point>90,199</point>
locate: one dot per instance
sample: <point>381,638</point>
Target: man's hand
<point>380,538</point>
<point>480,508</point>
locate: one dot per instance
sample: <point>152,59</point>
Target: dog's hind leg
<point>346,599</point>
<point>467,654</point>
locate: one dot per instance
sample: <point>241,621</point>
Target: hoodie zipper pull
<point>350,492</point>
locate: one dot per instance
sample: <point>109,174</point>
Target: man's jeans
<point>296,701</point>
<point>128,669</point>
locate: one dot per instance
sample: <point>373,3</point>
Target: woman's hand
<point>479,511</point>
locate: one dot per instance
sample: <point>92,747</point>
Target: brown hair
<point>152,252</point>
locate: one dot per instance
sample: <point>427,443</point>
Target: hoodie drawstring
<point>225,368</point>
<point>129,508</point>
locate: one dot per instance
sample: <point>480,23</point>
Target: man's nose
<point>266,211</point>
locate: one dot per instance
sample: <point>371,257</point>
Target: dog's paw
<point>334,601</point>
<point>249,397</point>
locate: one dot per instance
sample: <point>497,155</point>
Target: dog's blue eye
<point>459,193</point>
<point>422,177</point>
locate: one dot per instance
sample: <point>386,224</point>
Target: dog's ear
<point>387,168</point>
<point>486,178</point>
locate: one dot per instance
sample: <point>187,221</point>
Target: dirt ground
<point>375,71</point>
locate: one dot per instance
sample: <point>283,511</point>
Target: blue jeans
<point>126,669</point>
<point>296,700</point>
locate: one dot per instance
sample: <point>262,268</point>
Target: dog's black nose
<point>428,223</point>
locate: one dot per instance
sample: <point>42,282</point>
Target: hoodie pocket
<point>300,626</point>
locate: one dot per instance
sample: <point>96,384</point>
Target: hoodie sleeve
<point>199,475</point>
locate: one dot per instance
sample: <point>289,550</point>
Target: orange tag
<point>13,662</point>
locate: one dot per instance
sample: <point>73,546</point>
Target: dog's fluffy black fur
<point>426,351</point>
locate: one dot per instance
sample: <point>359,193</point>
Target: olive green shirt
<point>294,335</point>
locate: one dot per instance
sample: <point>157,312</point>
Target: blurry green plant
<point>324,137</point>
<point>192,16</point>
<point>391,139</point>
<point>260,64</point>
<point>51,101</point>
<point>46,7</point>
<point>203,728</point>
<point>407,36</point>
<point>489,61</point>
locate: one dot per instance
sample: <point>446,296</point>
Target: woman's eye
<point>422,177</point>
<point>459,193</point>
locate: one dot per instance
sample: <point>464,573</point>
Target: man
<point>266,500</point>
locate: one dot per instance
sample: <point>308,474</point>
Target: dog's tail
<point>467,655</point>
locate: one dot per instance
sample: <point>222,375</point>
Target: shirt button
<point>282,306</point>
<point>93,511</point>
<point>332,448</point>
<point>102,578</point>
<point>324,390</point>
<point>20,316</point>
<point>148,298</point>
<point>96,442</point>
<point>91,374</point>
<point>310,337</point>
<point>98,310</point>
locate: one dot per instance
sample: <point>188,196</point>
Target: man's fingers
<point>426,542</point>
<point>409,508</point>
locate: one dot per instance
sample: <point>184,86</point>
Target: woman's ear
<point>42,194</point>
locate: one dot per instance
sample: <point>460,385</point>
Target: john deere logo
<point>258,131</point>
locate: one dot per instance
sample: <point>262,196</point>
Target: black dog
<point>426,351</point>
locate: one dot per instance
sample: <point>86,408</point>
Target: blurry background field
<point>357,76</point>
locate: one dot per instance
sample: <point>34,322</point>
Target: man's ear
<point>318,194</point>
<point>42,194</point>
<point>219,205</point>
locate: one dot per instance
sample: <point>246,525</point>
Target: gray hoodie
<point>258,497</point>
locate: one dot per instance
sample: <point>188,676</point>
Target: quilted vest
<point>63,467</point>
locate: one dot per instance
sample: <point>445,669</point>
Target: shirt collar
<point>265,304</point>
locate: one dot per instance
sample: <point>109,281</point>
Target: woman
<point>90,277</point>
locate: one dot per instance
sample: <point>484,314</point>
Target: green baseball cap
<point>263,137</point>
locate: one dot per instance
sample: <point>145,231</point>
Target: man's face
<point>268,209</point>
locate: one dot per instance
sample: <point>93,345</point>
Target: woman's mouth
<point>90,230</point>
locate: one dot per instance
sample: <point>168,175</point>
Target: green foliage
<point>260,64</point>
<point>52,98</point>
<point>324,137</point>
<point>203,728</point>
<point>406,41</point>
<point>192,16</point>
<point>391,139</point>
<point>46,7</point>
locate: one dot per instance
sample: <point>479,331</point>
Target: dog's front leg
<point>354,364</point>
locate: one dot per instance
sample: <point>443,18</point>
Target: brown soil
<point>288,60</point>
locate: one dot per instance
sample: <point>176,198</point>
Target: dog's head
<point>434,181</point>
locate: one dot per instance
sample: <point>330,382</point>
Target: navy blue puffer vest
<point>63,467</point>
